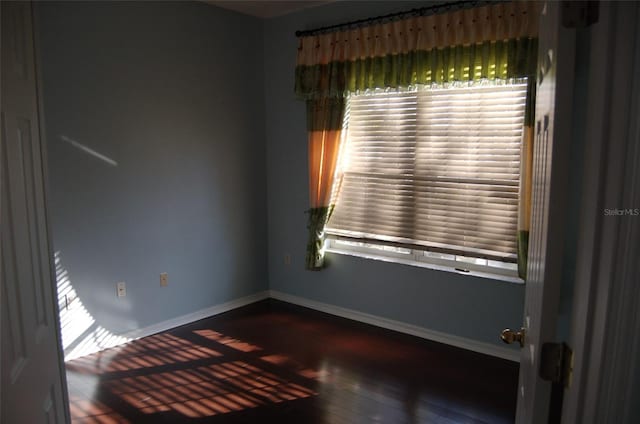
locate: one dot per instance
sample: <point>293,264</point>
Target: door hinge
<point>579,14</point>
<point>556,363</point>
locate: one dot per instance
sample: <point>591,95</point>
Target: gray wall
<point>457,304</point>
<point>182,97</point>
<point>173,93</point>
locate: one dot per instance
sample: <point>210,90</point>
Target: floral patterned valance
<point>490,42</point>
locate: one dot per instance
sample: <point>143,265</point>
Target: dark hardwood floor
<point>272,362</point>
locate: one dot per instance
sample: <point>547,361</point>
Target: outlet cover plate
<point>121,289</point>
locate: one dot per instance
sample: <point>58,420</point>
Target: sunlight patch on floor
<point>195,389</point>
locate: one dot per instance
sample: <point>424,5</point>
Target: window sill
<point>424,264</point>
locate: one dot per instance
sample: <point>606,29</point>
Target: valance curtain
<point>485,43</point>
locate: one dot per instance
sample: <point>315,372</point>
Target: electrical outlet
<point>164,279</point>
<point>287,258</point>
<point>121,289</point>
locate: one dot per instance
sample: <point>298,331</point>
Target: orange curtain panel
<point>324,124</point>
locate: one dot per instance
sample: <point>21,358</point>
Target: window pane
<point>434,168</point>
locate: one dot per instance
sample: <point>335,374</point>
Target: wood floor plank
<point>274,362</point>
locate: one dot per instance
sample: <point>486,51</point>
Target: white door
<point>33,389</point>
<point>552,140</point>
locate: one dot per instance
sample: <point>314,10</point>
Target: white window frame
<point>421,258</point>
<point>491,268</point>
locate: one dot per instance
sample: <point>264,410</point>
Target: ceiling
<point>266,8</point>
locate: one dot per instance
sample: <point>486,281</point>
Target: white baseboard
<point>100,339</point>
<point>414,330</point>
<point>461,342</point>
<point>196,316</point>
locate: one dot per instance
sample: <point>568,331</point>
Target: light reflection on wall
<point>81,335</point>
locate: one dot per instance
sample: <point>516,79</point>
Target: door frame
<point>605,326</point>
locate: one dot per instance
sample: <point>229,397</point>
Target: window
<point>432,174</point>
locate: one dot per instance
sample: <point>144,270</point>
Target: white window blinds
<point>433,168</point>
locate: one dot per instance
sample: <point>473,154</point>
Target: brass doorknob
<point>509,336</point>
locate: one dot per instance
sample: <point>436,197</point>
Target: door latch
<point>509,336</point>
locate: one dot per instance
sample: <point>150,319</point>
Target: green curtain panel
<point>526,178</point>
<point>318,217</point>
<point>524,198</point>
